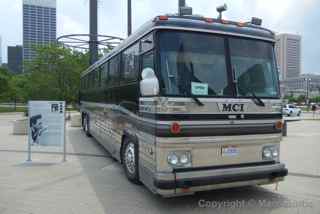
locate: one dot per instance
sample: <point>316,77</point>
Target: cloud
<point>293,16</point>
<point>69,25</point>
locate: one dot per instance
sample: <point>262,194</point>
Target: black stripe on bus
<point>188,117</point>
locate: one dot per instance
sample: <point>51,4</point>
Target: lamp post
<point>129,18</point>
<point>308,80</point>
<point>93,43</point>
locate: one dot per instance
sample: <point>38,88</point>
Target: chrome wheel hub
<point>130,158</point>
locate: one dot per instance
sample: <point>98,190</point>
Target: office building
<point>15,59</point>
<point>300,85</point>
<point>39,25</point>
<point>288,52</point>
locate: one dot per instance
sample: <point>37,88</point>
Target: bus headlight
<point>179,159</point>
<point>173,159</point>
<point>270,153</point>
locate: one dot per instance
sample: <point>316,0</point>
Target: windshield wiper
<point>196,99</point>
<point>257,100</point>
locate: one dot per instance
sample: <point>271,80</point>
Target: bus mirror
<point>149,85</point>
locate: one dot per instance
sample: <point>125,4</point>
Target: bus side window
<point>105,74</point>
<point>99,71</point>
<point>114,71</point>
<point>148,60</point>
<point>130,63</point>
<point>147,43</point>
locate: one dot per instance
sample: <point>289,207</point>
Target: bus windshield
<point>195,64</point>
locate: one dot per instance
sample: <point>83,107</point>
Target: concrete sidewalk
<point>92,182</point>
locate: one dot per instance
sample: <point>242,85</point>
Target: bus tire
<point>86,126</point>
<point>129,156</point>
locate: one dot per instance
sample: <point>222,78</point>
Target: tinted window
<point>131,63</point>
<point>193,64</point>
<point>104,73</point>
<point>147,43</point>
<point>254,67</point>
<point>147,60</point>
<point>114,72</point>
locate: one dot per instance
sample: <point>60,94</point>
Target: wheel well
<point>126,135</point>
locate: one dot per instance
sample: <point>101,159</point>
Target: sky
<point>282,16</point>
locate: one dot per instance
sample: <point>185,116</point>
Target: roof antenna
<point>221,9</point>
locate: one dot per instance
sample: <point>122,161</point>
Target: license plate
<point>229,151</point>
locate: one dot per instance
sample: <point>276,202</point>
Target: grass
<point>11,109</point>
<point>24,109</point>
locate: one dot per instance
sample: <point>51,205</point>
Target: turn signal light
<point>279,125</point>
<point>175,128</point>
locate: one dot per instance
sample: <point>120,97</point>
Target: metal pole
<point>93,14</point>
<point>65,138</point>
<point>29,143</point>
<point>129,18</point>
<point>182,3</point>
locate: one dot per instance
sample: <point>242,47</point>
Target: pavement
<point>92,182</point>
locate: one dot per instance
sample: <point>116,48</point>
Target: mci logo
<point>232,107</point>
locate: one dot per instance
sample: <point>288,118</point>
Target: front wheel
<point>130,161</point>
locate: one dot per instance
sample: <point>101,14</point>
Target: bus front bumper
<point>192,180</point>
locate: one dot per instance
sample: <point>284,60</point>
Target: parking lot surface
<point>92,182</point>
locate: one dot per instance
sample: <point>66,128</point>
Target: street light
<point>308,80</point>
<point>129,18</point>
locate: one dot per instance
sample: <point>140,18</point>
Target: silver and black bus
<point>189,104</point>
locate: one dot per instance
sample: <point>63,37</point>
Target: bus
<point>188,104</point>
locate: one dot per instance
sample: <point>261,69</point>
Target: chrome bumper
<point>193,177</point>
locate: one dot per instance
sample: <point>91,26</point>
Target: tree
<point>291,99</point>
<point>301,99</point>
<point>4,83</point>
<point>55,73</point>
<point>18,88</point>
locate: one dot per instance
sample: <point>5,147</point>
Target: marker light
<point>241,24</point>
<point>209,20</point>
<point>163,18</point>
<point>224,21</point>
<point>175,128</point>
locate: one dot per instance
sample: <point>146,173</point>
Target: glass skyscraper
<point>39,25</point>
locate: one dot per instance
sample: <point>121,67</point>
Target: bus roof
<point>193,23</point>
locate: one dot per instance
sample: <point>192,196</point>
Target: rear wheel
<point>130,160</point>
